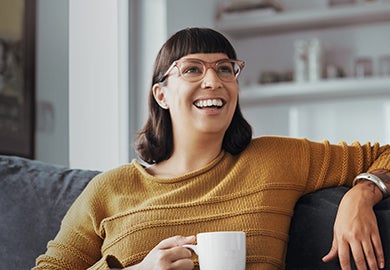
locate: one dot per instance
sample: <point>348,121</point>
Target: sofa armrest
<point>34,197</point>
<point>311,230</point>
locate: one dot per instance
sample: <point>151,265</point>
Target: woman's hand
<point>168,254</point>
<point>356,231</point>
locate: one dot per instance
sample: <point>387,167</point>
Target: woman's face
<point>201,107</point>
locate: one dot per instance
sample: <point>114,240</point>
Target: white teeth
<point>208,103</point>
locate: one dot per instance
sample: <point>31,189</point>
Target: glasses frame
<point>206,65</point>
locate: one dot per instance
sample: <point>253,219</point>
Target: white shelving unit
<point>290,21</point>
<point>306,19</point>
<point>271,94</point>
<point>334,109</point>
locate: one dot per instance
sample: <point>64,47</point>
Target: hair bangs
<point>200,40</point>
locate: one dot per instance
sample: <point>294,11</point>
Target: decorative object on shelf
<point>363,67</point>
<point>333,72</point>
<point>307,60</point>
<point>314,59</point>
<point>235,9</point>
<point>267,77</point>
<point>384,65</point>
<point>300,60</point>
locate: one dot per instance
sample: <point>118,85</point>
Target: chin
<point>214,129</point>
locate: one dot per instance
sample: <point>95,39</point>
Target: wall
<point>82,83</point>
<point>201,14</point>
<point>149,33</point>
<point>98,84</point>
<point>52,141</point>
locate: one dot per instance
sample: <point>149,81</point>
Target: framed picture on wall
<point>17,77</point>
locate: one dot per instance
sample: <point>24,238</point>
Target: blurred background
<point>316,69</point>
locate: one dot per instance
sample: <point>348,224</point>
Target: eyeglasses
<point>193,70</point>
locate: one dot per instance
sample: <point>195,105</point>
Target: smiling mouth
<point>209,103</point>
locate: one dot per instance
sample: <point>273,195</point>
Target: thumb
<point>332,254</point>
<point>175,241</point>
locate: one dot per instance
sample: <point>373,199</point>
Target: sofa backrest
<point>34,197</point>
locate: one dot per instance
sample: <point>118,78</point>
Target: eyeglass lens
<point>192,70</point>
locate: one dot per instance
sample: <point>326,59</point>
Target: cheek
<point>234,95</point>
<point>180,96</point>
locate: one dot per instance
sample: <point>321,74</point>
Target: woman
<point>206,173</point>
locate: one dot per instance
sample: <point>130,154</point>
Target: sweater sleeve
<point>78,242</point>
<point>338,164</point>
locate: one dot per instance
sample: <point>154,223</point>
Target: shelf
<point>306,19</point>
<point>271,94</point>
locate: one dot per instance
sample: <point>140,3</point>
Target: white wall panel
<point>97,85</point>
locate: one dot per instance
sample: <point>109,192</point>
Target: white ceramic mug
<point>225,250</point>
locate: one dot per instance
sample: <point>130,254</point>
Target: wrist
<point>365,192</point>
<point>374,181</point>
<point>384,175</point>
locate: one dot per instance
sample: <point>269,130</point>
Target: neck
<point>188,157</point>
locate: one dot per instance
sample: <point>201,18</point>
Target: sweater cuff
<point>106,263</point>
<point>383,162</point>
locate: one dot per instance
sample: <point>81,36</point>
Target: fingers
<point>332,254</point>
<point>175,258</point>
<point>169,254</point>
<point>380,256</point>
<point>368,254</point>
<point>180,258</point>
<point>364,253</point>
<point>175,241</point>
<point>356,233</point>
<point>344,256</point>
<point>172,252</point>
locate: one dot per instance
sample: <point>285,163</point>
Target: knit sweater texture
<point>125,212</point>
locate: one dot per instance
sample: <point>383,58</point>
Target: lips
<point>209,103</point>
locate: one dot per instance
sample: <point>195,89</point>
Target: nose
<point>211,79</point>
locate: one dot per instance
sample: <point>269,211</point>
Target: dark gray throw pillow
<point>34,197</point>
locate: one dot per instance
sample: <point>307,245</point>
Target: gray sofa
<point>34,197</point>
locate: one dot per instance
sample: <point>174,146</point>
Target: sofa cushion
<point>311,230</point>
<point>34,197</point>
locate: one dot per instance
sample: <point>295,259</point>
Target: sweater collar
<point>141,168</point>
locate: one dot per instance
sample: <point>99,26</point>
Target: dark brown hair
<point>154,142</point>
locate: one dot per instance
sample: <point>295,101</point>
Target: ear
<point>159,95</point>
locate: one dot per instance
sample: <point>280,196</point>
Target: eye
<point>226,67</point>
<point>192,68</point>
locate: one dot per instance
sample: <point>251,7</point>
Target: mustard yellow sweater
<point>123,213</point>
